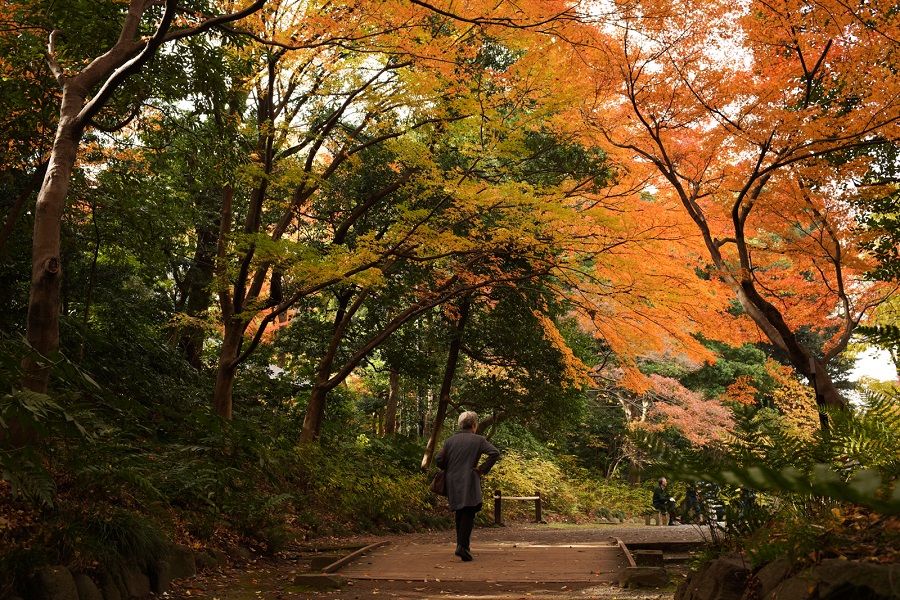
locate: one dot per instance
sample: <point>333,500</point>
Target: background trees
<point>340,224</point>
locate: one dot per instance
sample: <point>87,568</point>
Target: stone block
<point>137,584</point>
<point>219,556</point>
<point>643,577</point>
<point>721,579</point>
<point>768,578</point>
<point>87,589</point>
<point>648,558</point>
<point>238,553</point>
<point>54,583</point>
<point>182,563</point>
<point>108,587</point>
<point>320,581</point>
<point>205,560</point>
<point>161,577</point>
<point>320,561</point>
<point>837,579</point>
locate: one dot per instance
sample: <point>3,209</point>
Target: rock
<point>108,587</point>
<point>238,553</point>
<point>87,589</point>
<point>767,579</point>
<point>643,577</point>
<point>795,588</point>
<point>54,583</point>
<point>320,581</point>
<point>838,579</point>
<point>205,560</point>
<point>211,558</point>
<point>220,557</point>
<point>137,584</point>
<point>720,579</point>
<point>161,577</point>
<point>181,562</point>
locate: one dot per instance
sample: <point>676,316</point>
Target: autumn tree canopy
<point>761,122</point>
<point>662,171</point>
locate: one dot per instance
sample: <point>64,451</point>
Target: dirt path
<point>519,561</point>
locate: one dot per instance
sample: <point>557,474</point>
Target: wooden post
<point>537,508</point>
<point>498,517</point>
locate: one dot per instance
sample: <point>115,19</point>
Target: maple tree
<point>755,120</point>
<point>384,190</point>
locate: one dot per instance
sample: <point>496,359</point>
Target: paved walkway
<point>495,562</point>
<point>533,562</point>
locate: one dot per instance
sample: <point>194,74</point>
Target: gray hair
<point>661,479</point>
<point>468,420</point>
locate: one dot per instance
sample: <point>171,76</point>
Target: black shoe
<point>463,553</point>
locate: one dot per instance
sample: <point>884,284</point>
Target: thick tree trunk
<point>199,295</point>
<point>315,413</point>
<point>446,385</point>
<point>42,330</point>
<point>390,412</point>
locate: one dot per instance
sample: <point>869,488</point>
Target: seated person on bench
<point>663,502</point>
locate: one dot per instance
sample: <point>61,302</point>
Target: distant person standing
<point>459,456</point>
<point>663,502</point>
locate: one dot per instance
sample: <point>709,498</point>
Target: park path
<point>533,562</point>
<point>495,562</point>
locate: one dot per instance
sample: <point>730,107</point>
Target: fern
<point>886,336</point>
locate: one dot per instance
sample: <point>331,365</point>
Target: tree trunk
<point>315,412</point>
<point>488,425</point>
<point>446,385</point>
<point>390,413</point>
<point>199,295</point>
<point>227,370</point>
<point>42,330</point>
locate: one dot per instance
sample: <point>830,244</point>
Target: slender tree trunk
<point>227,370</point>
<point>488,425</point>
<point>390,413</point>
<point>446,384</point>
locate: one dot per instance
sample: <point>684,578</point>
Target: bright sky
<point>875,364</point>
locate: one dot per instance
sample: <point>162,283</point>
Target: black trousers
<point>465,522</point>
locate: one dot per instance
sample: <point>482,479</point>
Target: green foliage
<point>114,538</point>
<point>855,460</point>
<point>358,483</point>
<point>885,336</point>
<point>568,491</point>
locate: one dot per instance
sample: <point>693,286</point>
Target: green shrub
<point>113,538</point>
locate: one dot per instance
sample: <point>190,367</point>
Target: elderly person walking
<point>459,456</point>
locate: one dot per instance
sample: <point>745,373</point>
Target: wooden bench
<point>660,518</point>
<point>498,506</point>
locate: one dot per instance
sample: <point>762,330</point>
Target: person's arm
<point>492,454</point>
<point>440,459</point>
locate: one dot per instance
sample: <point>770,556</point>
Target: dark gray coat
<point>459,457</point>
